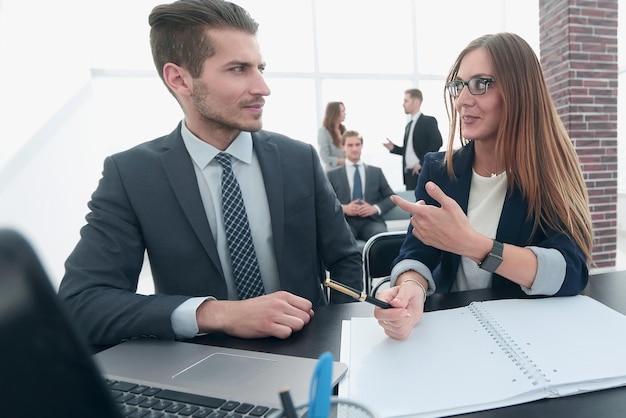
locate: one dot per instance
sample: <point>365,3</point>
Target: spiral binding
<point>508,346</point>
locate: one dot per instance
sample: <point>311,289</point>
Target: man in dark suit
<point>170,197</point>
<point>362,190</point>
<point>424,134</point>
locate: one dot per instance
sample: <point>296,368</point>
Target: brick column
<point>578,42</point>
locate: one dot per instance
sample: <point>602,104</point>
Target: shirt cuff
<point>416,266</point>
<point>378,209</point>
<point>183,318</point>
<point>550,275</point>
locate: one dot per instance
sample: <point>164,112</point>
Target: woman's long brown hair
<point>532,141</point>
<point>332,123</point>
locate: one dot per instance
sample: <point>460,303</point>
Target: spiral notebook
<point>486,355</point>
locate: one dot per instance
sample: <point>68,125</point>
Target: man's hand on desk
<point>278,314</point>
<point>407,301</point>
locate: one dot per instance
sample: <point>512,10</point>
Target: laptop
<point>47,370</point>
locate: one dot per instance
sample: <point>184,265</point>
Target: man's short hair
<point>178,31</point>
<point>415,94</point>
<point>350,133</point>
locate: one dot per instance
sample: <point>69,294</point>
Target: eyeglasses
<point>477,86</point>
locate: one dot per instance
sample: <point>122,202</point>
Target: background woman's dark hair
<point>332,123</point>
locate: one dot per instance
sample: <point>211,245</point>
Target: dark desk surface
<point>323,333</point>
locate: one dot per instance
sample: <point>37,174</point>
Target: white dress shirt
<point>410,157</point>
<point>248,173</point>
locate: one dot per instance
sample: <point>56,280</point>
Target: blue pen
<point>320,391</point>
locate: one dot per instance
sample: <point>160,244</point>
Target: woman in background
<point>329,135</point>
<point>509,208</point>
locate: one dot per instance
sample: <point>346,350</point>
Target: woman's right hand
<point>407,301</point>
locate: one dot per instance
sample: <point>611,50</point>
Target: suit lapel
<point>343,193</point>
<point>371,184</point>
<point>269,160</point>
<point>514,211</point>
<point>180,172</point>
<point>416,133</point>
<point>459,189</point>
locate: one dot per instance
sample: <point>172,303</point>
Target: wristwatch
<point>493,259</point>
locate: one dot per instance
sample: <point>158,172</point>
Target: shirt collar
<point>202,153</point>
<point>415,116</point>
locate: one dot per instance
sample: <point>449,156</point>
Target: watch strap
<point>494,258</point>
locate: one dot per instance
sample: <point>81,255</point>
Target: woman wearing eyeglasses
<point>509,208</point>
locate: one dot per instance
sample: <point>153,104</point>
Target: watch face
<point>491,263</point>
<point>494,258</point>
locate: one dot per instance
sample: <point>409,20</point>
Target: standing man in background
<point>362,190</point>
<point>424,134</point>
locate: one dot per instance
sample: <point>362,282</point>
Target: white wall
<point>45,61</point>
<point>45,74</point>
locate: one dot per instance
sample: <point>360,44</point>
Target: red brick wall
<point>578,42</point>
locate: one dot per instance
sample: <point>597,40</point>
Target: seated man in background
<point>362,190</point>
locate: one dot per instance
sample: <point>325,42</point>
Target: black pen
<point>362,296</point>
<point>289,410</point>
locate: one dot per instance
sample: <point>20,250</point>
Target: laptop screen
<point>45,369</point>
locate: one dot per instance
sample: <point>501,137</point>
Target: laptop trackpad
<point>228,369</point>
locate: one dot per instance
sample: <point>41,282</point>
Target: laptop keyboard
<point>139,401</point>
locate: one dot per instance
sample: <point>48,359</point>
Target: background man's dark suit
<point>148,199</point>
<point>426,138</point>
<point>377,192</point>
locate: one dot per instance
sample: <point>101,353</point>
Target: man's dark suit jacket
<point>377,190</point>
<point>148,200</point>
<point>514,228</point>
<point>426,138</point>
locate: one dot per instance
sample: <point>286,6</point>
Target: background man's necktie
<point>407,129</point>
<point>357,189</point>
<point>240,245</point>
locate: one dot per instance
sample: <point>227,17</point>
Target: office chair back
<point>47,368</point>
<point>378,254</point>
<point>396,213</point>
